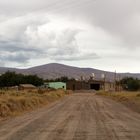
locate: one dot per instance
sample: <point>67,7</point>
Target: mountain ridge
<point>56,70</point>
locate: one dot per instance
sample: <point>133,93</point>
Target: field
<point>13,103</point>
<point>129,99</point>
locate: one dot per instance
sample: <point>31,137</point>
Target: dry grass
<point>130,99</point>
<point>121,95</point>
<point>17,102</point>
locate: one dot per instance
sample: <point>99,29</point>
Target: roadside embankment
<point>129,99</point>
<point>13,103</point>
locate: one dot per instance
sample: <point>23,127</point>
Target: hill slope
<point>55,70</point>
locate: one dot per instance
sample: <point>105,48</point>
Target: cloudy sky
<point>103,34</point>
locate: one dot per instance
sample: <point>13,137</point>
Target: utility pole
<point>119,83</point>
<point>104,79</point>
<point>115,75</point>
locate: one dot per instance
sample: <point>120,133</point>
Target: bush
<point>12,79</point>
<point>130,84</point>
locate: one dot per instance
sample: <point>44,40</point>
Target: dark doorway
<point>95,86</point>
<point>73,86</point>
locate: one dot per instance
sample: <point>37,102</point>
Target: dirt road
<point>75,117</point>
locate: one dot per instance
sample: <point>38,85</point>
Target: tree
<point>61,79</point>
<point>130,83</point>
<point>33,79</point>
<point>12,79</point>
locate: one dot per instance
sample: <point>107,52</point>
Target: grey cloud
<point>2,64</point>
<point>15,7</point>
<point>16,46</point>
<point>13,43</point>
<point>21,41</point>
<point>78,57</point>
<point>14,28</point>
<point>20,58</point>
<point>20,22</point>
<point>16,56</point>
<point>120,18</point>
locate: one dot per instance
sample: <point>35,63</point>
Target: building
<point>56,85</point>
<point>90,85</point>
<point>84,85</point>
<point>109,86</point>
<point>26,86</point>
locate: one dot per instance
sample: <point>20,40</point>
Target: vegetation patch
<point>16,102</point>
<point>130,84</point>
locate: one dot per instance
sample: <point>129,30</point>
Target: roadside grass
<point>121,95</point>
<point>130,99</point>
<point>14,103</point>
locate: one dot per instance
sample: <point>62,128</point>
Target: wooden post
<point>115,80</point>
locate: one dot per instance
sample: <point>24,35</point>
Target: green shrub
<point>130,83</point>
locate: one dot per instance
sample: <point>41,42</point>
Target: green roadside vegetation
<point>130,84</point>
<point>13,103</point>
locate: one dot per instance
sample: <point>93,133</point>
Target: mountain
<point>55,70</point>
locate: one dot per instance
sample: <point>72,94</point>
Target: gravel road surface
<point>76,117</point>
